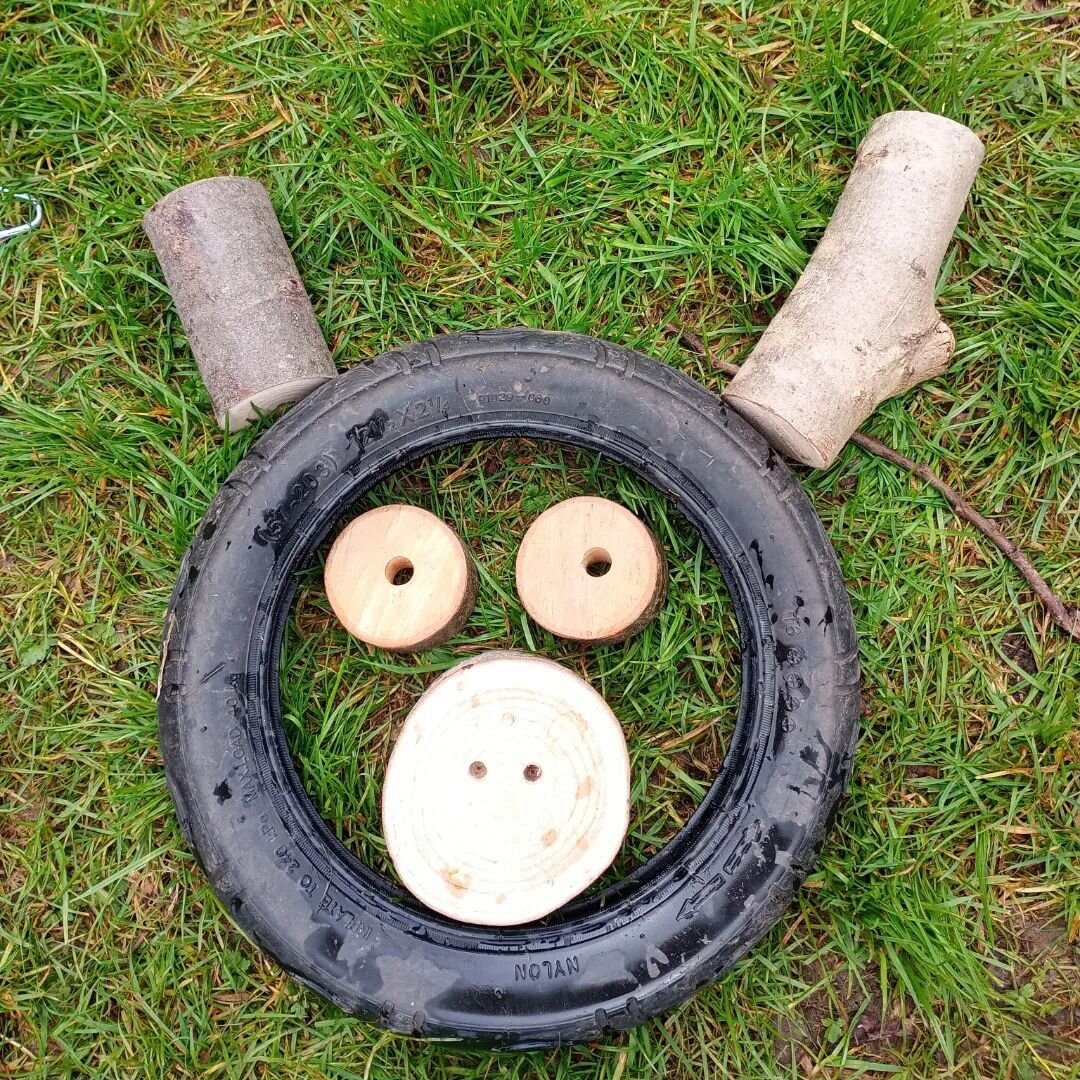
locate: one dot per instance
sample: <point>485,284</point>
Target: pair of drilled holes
<point>597,562</point>
<point>478,770</point>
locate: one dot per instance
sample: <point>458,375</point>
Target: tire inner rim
<point>592,913</point>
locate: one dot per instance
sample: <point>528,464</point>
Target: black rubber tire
<point>603,963</point>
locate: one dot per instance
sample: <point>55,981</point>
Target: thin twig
<point>1067,618</point>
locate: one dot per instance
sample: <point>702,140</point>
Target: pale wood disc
<point>553,571</point>
<point>508,790</point>
<point>392,543</point>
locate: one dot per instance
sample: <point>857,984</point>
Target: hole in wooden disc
<point>597,562</point>
<point>478,770</point>
<point>399,571</point>
<point>532,773</point>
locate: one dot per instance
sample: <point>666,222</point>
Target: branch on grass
<point>1067,618</point>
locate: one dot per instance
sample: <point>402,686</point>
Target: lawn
<point>605,166</point>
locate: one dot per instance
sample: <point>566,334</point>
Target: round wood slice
<point>589,570</point>
<point>507,792</point>
<point>399,578</point>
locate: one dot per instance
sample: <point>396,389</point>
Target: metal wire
<point>36,214</point>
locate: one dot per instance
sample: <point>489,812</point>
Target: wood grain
<point>589,570</point>
<point>399,578</point>
<point>507,792</point>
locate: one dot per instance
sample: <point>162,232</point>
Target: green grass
<point>344,704</point>
<point>606,167</point>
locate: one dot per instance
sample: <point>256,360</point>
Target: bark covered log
<point>860,325</point>
<point>239,295</point>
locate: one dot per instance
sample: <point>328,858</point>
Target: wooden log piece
<point>589,570</point>
<point>399,578</point>
<point>508,791</point>
<point>244,308</point>
<point>860,324</point>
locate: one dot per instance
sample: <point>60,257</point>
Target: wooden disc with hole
<point>589,570</point>
<point>399,578</point>
<point>508,790</point>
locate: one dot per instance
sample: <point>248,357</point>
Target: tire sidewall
<point>277,867</point>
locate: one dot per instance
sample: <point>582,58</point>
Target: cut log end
<point>400,579</point>
<point>507,793</point>
<point>589,570</point>
<point>247,410</point>
<point>781,434</point>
